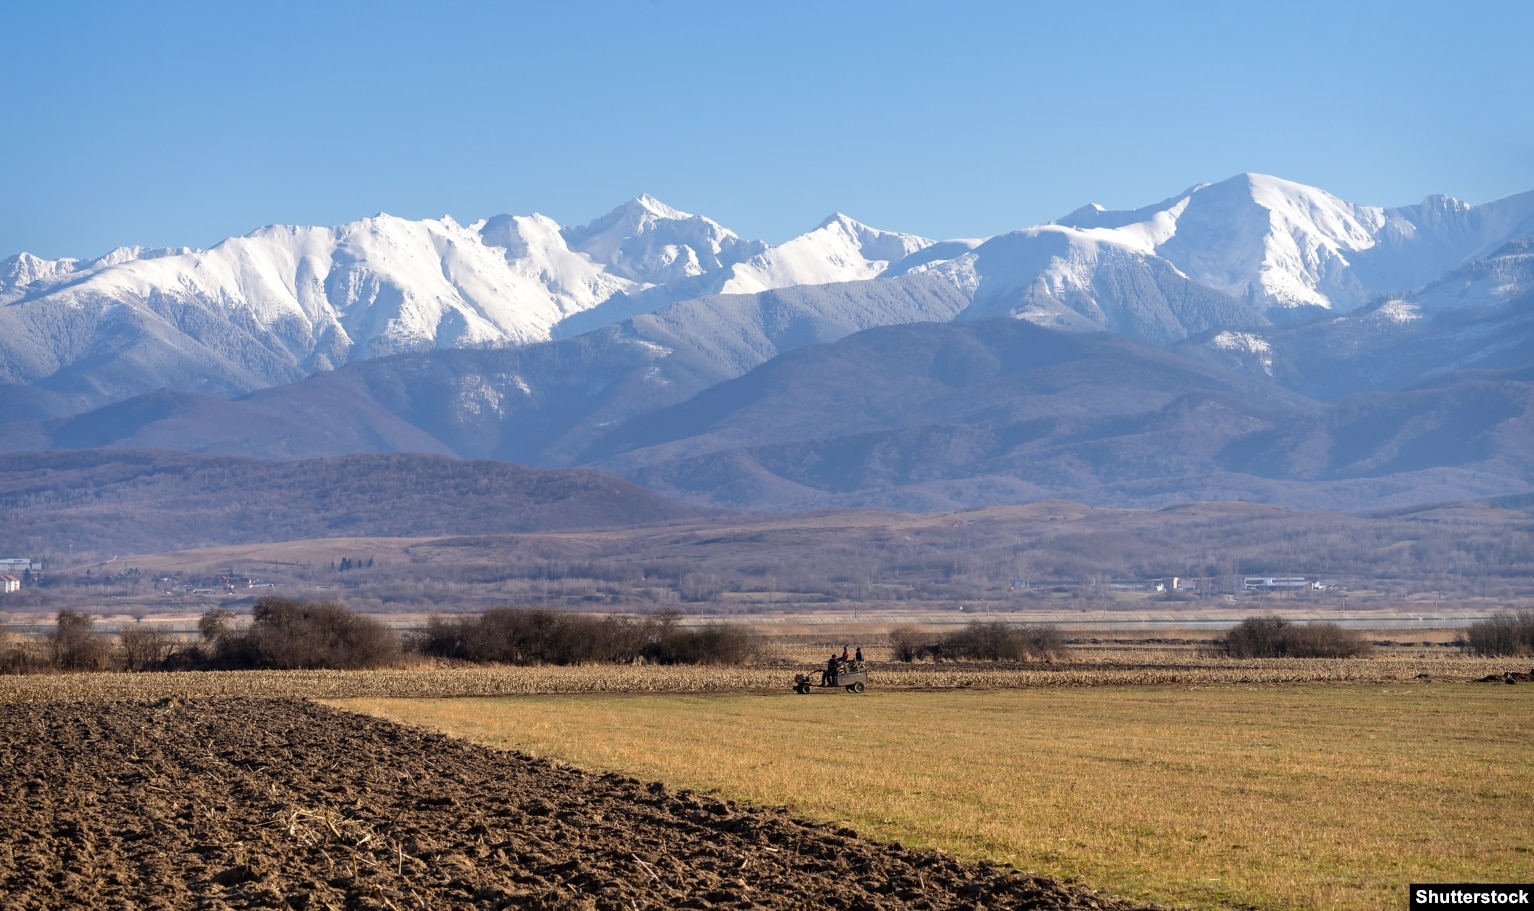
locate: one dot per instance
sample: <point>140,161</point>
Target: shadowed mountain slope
<point>943,416</point>
<point>1033,412</point>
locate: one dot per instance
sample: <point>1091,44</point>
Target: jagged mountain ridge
<point>1275,244</point>
<point>287,302</point>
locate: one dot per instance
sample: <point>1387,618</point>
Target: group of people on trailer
<point>836,664</point>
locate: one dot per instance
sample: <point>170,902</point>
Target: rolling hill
<point>144,501</point>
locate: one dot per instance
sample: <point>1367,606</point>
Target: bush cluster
<point>72,647</point>
<point>980,641</point>
<point>17,658</point>
<point>296,635</point>
<point>1275,637</point>
<point>511,635</point>
<point>1507,634</point>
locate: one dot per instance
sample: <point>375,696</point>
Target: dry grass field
<point>1086,668</point>
<point>1237,795</point>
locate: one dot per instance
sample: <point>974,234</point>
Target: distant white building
<point>15,565</point>
<point>1253,583</point>
<point>9,584</point>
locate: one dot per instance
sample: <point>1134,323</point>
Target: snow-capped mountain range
<point>286,302</point>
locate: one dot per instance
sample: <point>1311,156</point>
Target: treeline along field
<point>287,634</point>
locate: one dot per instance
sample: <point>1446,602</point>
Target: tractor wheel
<point>857,687</point>
<point>802,689</point>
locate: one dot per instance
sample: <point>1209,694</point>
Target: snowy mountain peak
<point>840,219</point>
<point>24,269</point>
<point>1276,243</point>
<point>840,249</point>
<point>649,242</point>
<point>655,207</point>
<point>1441,203</point>
<point>1087,214</point>
<point>873,243</point>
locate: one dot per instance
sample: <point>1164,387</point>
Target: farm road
<point>234,803</point>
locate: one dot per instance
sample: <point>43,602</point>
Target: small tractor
<point>851,676</point>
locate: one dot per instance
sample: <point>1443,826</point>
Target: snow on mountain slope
<point>1418,244</point>
<point>24,270</point>
<point>284,301</point>
<point>1092,279</point>
<point>385,284</point>
<point>1275,243</point>
<point>1480,316</point>
<point>647,241</point>
<point>839,250</point>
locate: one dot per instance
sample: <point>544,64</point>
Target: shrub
<point>1043,640</point>
<point>19,656</point>
<point>215,624</point>
<point>289,635</point>
<point>73,646</point>
<point>145,647</point>
<point>712,643</point>
<point>512,635</point>
<point>909,643</point>
<point>998,641</point>
<point>1505,634</point>
<point>1275,637</point>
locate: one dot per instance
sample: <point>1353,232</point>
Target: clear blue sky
<point>182,123</point>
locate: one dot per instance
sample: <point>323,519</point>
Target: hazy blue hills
<point>141,501</point>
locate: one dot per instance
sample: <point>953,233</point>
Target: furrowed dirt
<point>228,803</point>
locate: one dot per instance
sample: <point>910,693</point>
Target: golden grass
<point>1289,797</point>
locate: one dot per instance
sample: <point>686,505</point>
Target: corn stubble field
<point>1160,776</point>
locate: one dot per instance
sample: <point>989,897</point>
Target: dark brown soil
<point>272,803</point>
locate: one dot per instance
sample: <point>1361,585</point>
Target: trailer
<point>849,679</point>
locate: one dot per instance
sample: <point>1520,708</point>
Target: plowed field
<point>219,803</point>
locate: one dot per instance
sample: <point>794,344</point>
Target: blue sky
<point>180,124</point>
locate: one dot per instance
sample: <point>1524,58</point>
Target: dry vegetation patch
<point>1292,797</point>
<point>1087,668</point>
